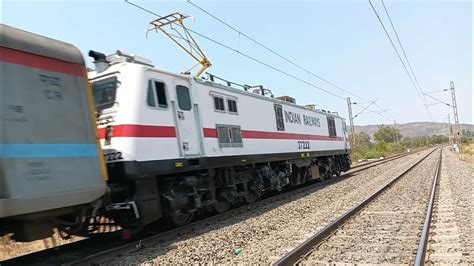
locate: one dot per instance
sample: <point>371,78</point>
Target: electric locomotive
<point>177,144</point>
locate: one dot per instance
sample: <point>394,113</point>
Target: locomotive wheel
<point>252,195</point>
<point>182,218</point>
<point>303,174</point>
<point>222,205</point>
<point>337,171</point>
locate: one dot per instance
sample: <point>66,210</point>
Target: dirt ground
<point>468,153</point>
<point>10,248</point>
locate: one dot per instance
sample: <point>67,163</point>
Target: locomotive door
<point>187,118</point>
<point>344,129</point>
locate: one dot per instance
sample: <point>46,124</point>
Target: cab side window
<point>184,99</point>
<point>156,94</point>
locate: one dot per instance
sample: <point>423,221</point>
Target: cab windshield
<point>104,93</point>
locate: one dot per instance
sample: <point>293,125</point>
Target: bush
<point>368,150</point>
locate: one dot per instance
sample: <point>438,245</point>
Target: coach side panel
<point>49,151</point>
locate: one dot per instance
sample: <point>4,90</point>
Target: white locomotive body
<point>188,144</point>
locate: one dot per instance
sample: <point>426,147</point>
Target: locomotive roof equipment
<point>184,40</point>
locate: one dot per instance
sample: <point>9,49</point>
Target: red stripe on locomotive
<point>140,131</point>
<point>144,131</point>
<point>251,134</point>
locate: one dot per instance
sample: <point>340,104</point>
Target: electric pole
<point>396,133</point>
<point>351,120</point>
<point>456,117</point>
<point>451,133</point>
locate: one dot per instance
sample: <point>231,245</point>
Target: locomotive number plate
<point>113,156</point>
<point>303,145</point>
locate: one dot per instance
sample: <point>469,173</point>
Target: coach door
<point>187,117</point>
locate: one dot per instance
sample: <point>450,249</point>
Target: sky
<point>340,41</point>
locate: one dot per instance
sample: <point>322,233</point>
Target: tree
<point>387,134</point>
<point>362,139</point>
<point>467,133</point>
<point>438,139</point>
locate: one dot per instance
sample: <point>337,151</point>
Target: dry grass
<point>468,153</point>
<point>9,248</point>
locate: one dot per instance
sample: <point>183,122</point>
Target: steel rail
<point>100,257</point>
<point>422,246</point>
<point>106,254</point>
<point>387,159</point>
<point>89,259</point>
<point>135,245</point>
<point>302,250</point>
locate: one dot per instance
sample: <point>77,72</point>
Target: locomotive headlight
<point>108,135</point>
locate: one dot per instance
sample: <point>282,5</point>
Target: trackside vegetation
<point>467,147</point>
<point>387,141</point>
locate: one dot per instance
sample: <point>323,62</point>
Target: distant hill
<point>416,128</point>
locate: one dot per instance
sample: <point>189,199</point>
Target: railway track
<point>383,228</point>
<point>386,159</point>
<point>449,234</point>
<point>97,249</point>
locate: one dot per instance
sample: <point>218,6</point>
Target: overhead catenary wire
<point>437,91</point>
<point>406,57</point>
<point>240,33</point>
<point>252,58</point>
<point>401,46</point>
<point>401,60</point>
<point>396,51</point>
<point>365,108</point>
<point>438,100</point>
<point>245,55</point>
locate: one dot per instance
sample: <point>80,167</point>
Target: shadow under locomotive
<point>210,221</point>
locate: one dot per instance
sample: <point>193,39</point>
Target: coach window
<point>219,103</point>
<point>232,106</point>
<point>279,117</point>
<point>184,99</point>
<point>332,127</point>
<point>156,95</point>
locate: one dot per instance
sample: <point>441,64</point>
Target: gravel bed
<point>452,224</point>
<point>266,233</point>
<point>387,230</point>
